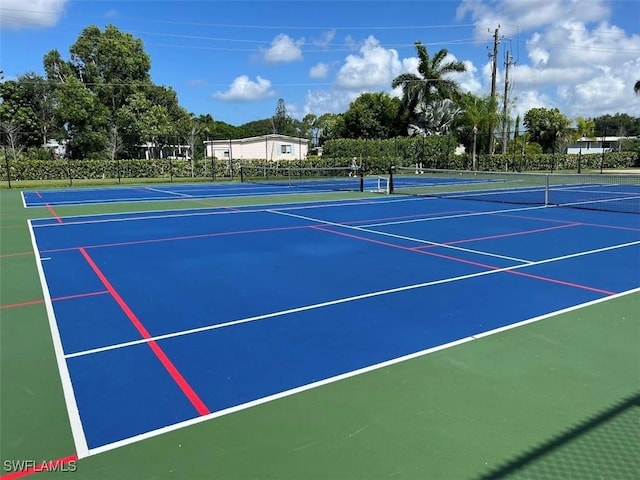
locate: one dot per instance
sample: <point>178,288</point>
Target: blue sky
<point>235,59</point>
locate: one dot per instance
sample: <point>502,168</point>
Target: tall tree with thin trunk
<point>433,82</point>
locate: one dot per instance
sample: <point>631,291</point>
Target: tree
<point>619,124</point>
<point>546,127</point>
<point>636,87</point>
<point>41,100</point>
<point>419,91</point>
<point>115,143</point>
<point>11,132</point>
<point>479,112</point>
<point>584,129</point>
<point>331,126</point>
<point>112,64</point>
<point>372,116</point>
<point>281,121</point>
<point>436,120</point>
<point>310,128</point>
<point>84,119</point>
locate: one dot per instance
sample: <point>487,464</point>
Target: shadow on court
<point>602,446</point>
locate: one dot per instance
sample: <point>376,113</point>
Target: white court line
<point>458,215</point>
<point>223,210</point>
<point>24,202</point>
<point>591,202</point>
<point>342,300</point>
<point>403,237</point>
<point>343,376</point>
<point>79,438</point>
<point>191,197</point>
<point>168,191</point>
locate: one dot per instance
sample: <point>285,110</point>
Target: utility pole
<point>505,120</point>
<point>494,56</point>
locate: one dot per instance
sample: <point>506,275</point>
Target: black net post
<point>170,170</point>
<point>361,188</point>
<point>391,173</point>
<point>241,173</point>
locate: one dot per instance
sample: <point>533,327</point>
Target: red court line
<point>402,217</point>
<point>55,299</point>
<point>470,262</point>
<point>202,235</point>
<point>195,400</point>
<point>20,304</point>
<point>586,224</point>
<point>501,235</point>
<point>19,254</point>
<point>186,237</point>
<point>53,212</point>
<point>46,466</point>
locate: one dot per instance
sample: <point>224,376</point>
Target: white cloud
<point>528,99</point>
<point>325,39</point>
<point>17,14</point>
<point>242,89</point>
<point>575,59</point>
<point>319,102</point>
<point>516,16</point>
<point>320,70</point>
<point>468,80</point>
<point>283,49</point>
<point>607,90</point>
<point>373,66</point>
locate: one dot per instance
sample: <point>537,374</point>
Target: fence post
<point>69,171</point>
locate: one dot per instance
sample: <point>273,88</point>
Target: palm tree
<point>636,87</point>
<point>432,84</point>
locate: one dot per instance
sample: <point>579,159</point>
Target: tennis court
<point>165,320</point>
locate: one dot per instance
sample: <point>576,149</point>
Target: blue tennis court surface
<point>194,191</point>
<point>164,319</point>
<point>176,191</point>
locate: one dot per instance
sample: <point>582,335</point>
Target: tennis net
<point>619,193</point>
<point>321,178</point>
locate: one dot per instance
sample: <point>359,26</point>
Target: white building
<point>58,147</point>
<point>588,145</point>
<point>270,147</point>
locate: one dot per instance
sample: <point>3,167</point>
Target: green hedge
<point>375,156</point>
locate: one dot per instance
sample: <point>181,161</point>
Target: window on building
<point>285,148</point>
